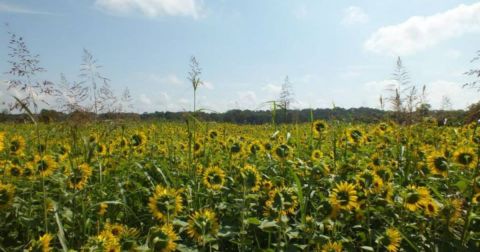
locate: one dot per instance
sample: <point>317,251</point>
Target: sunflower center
<point>465,158</point>
<point>343,198</point>
<point>235,148</point>
<point>42,165</point>
<point>14,146</point>
<point>282,151</point>
<point>440,163</point>
<point>15,171</point>
<point>413,198</point>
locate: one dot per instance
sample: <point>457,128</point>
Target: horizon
<point>246,50</point>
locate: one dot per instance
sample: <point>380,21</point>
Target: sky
<point>335,53</point>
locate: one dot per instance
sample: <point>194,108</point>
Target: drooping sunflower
<point>42,244</point>
<point>452,211</point>
<point>317,155</point>
<point>203,225</point>
<point>44,165</point>
<point>213,178</point>
<point>344,196</point>
<point>165,203</point>
<point>438,163</point>
<point>391,239</point>
<point>319,127</point>
<point>78,176</point>
<point>16,145</point>
<point>332,247</point>
<point>7,192</point>
<point>163,239</point>
<point>415,197</point>
<point>251,177</point>
<point>465,157</point>
<point>108,242</point>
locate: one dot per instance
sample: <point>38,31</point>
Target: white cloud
<point>153,8</point>
<point>272,89</point>
<point>421,32</point>
<point>11,8</point>
<point>459,96</point>
<point>208,85</point>
<point>170,79</point>
<point>246,100</point>
<point>354,15</point>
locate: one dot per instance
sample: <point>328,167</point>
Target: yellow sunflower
<point>430,208</point>
<point>2,140</point>
<point>165,203</point>
<point>138,139</point>
<point>251,177</point>
<point>465,157</point>
<point>476,198</point>
<point>43,244</point>
<point>212,134</point>
<point>283,151</point>
<point>438,163</point>
<point>281,201</point>
<point>163,239</point>
<point>452,210</point>
<point>16,145</point>
<point>344,196</point>
<point>255,148</point>
<point>108,242</point>
<point>319,127</point>
<point>415,197</point>
<point>78,176</point>
<point>102,208</point>
<point>7,192</point>
<point>115,229</point>
<point>391,240</point>
<point>13,170</point>
<point>203,225</point>
<point>213,178</point>
<point>317,155</point>
<point>332,247</point>
<point>44,165</point>
<point>355,136</point>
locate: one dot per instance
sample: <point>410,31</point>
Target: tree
<point>286,97</point>
<point>475,73</point>
<point>24,66</point>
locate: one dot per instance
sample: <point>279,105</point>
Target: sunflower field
<point>164,186</point>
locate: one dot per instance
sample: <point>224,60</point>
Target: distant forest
<point>364,115</point>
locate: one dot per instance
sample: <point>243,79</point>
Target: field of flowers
<point>324,186</point>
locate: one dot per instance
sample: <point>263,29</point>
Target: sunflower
<point>344,196</point>
<point>391,239</point>
<point>108,242</point>
<point>452,210</point>
<point>13,170</point>
<point>63,151</point>
<point>251,177</point>
<point>476,198</point>
<point>163,238</point>
<point>101,149</point>
<point>355,136</point>
<point>165,203</point>
<point>7,192</point>
<point>438,163</point>
<point>78,176</point>
<point>214,178</point>
<point>282,151</point>
<point>16,145</point>
<point>102,208</point>
<point>198,148</point>
<point>317,155</point>
<point>319,127</point>
<point>281,201</point>
<point>255,148</point>
<point>2,139</point>
<point>465,157</point>
<point>43,243</point>
<point>212,134</point>
<point>332,247</point>
<point>116,230</point>
<point>203,225</point>
<point>415,197</point>
<point>27,172</point>
<point>138,139</point>
<point>430,208</point>
<point>235,148</point>
<point>45,165</point>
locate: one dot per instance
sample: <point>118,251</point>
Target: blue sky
<point>334,52</point>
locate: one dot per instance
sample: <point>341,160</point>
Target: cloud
<point>272,89</point>
<point>170,79</point>
<point>207,85</point>
<point>11,8</point>
<point>421,32</point>
<point>301,12</point>
<point>460,97</point>
<point>354,15</point>
<point>152,8</point>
